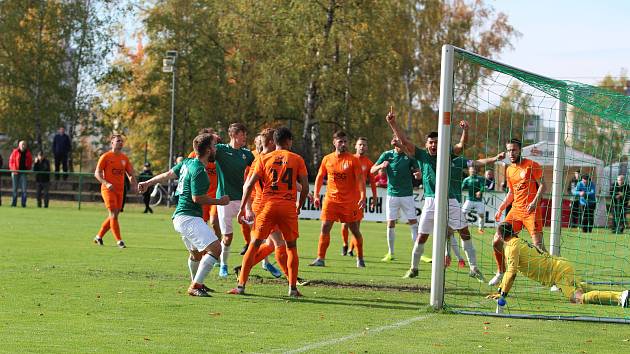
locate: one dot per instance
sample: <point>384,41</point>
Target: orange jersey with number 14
<point>279,171</point>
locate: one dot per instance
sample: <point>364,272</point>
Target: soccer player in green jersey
<point>192,189</point>
<point>475,185</point>
<point>232,159</point>
<point>399,168</point>
<point>538,265</point>
<point>427,160</point>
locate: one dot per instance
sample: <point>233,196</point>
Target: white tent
<point>542,152</point>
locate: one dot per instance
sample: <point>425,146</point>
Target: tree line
<point>314,66</point>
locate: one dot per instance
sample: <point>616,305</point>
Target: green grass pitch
<point>60,293</point>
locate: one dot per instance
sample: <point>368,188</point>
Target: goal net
<point>572,130</point>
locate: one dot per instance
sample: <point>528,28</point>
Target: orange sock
<point>324,241</point>
<point>358,241</point>
<point>248,263</point>
<point>281,259</point>
<point>104,228</point>
<point>264,250</point>
<point>344,234</point>
<point>293,262</point>
<point>113,224</point>
<point>247,233</point>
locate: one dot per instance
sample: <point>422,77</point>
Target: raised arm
<point>391,120</point>
<point>459,147</point>
<point>482,162</point>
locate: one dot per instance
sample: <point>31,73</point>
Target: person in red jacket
<point>20,160</point>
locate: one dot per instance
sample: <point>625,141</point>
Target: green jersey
<point>231,165</point>
<point>474,184</point>
<point>399,183</point>
<point>192,179</point>
<point>427,164</point>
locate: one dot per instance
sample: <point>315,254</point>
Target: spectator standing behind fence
<point>575,202</point>
<point>42,177</point>
<point>20,160</point>
<point>585,189</point>
<point>620,195</point>
<point>489,176</point>
<point>144,176</point>
<point>61,149</point>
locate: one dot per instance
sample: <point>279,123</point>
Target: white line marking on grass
<point>356,335</point>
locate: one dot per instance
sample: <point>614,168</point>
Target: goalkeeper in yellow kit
<point>548,270</point>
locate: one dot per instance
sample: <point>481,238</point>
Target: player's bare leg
<point>538,241</point>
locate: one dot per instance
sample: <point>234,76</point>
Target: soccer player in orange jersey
<point>361,148</point>
<point>264,144</point>
<point>526,186</point>
<point>279,171</point>
<point>111,170</point>
<point>345,196</point>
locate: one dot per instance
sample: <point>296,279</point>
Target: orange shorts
<point>342,212</point>
<point>112,200</point>
<point>533,222</point>
<point>272,217</point>
<point>257,209</point>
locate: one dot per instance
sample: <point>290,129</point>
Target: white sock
<point>455,247</point>
<point>225,253</point>
<point>481,221</point>
<point>418,249</point>
<point>205,265</point>
<point>471,254</point>
<point>391,236</point>
<point>414,231</point>
<point>264,262</point>
<point>192,266</point>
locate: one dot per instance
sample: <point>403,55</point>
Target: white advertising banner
<point>377,213</point>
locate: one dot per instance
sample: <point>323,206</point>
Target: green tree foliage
<point>51,53</point>
<point>316,66</point>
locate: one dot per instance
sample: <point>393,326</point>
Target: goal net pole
<point>442,177</point>
<point>557,186</point>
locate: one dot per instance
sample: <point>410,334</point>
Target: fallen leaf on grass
<point>146,338</point>
<point>215,314</point>
<point>486,323</point>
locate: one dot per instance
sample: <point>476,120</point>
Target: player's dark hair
<point>205,131</point>
<point>432,135</point>
<point>282,135</point>
<point>516,142</point>
<point>339,134</point>
<point>202,143</point>
<point>362,138</point>
<point>505,229</point>
<point>236,128</point>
